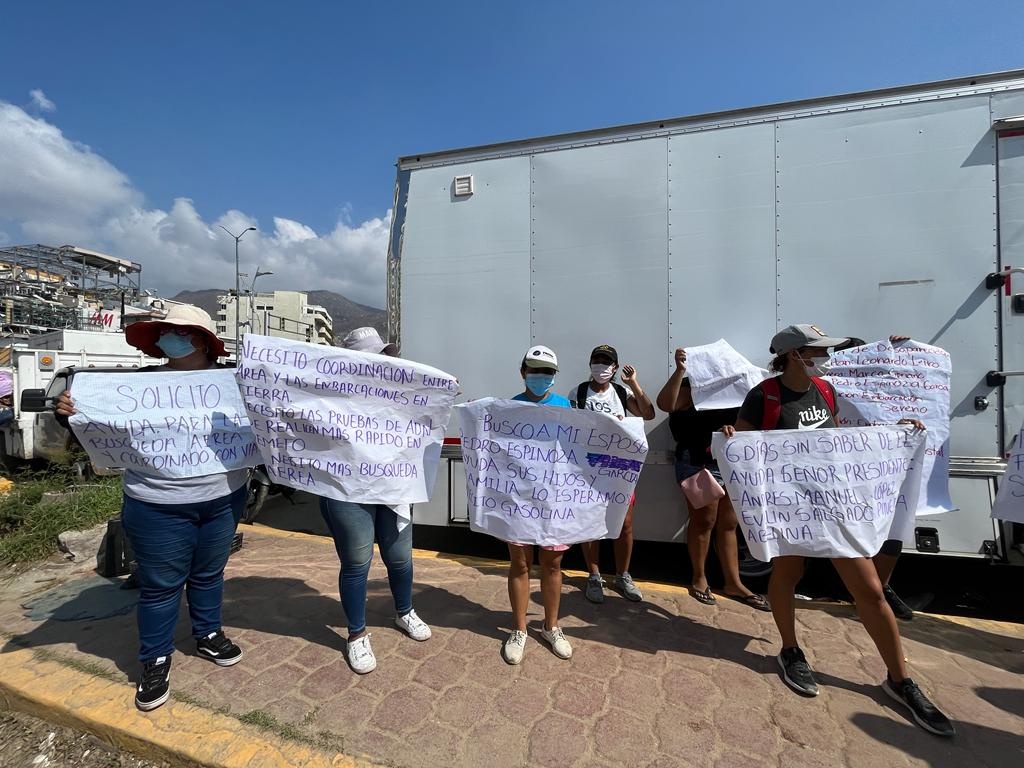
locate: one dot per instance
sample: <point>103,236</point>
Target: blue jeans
<point>175,545</point>
<point>354,528</point>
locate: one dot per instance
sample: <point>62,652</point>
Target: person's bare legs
<point>623,545</point>
<point>861,579</point>
<point>591,554</point>
<point>728,548</point>
<point>550,586</point>
<point>698,541</point>
<point>787,570</point>
<point>520,558</point>
<point>884,566</point>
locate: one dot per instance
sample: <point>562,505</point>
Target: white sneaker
<point>360,655</point>
<point>557,641</point>
<point>413,626</point>
<point>515,645</point>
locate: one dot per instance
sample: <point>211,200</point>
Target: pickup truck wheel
<point>750,566</point>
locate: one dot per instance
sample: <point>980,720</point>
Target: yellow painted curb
<point>176,732</point>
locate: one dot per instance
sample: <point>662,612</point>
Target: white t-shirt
<point>607,402</point>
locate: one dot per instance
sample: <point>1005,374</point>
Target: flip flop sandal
<point>704,597</point>
<point>757,602</point>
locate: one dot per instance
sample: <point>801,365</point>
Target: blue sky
<point>259,112</point>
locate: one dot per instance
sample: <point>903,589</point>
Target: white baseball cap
<point>540,356</point>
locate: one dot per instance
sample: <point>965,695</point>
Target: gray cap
<point>796,336</point>
<point>367,339</point>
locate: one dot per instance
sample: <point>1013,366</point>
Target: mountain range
<point>345,313</point>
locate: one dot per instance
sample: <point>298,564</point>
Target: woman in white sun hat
<point>180,529</point>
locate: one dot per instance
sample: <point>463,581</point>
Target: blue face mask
<point>175,346</point>
<point>539,383</point>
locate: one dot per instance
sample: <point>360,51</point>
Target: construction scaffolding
<point>45,288</point>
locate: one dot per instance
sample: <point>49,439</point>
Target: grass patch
<point>267,722</point>
<point>30,525</point>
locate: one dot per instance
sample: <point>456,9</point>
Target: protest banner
<point>537,474</point>
<point>352,426</point>
<point>881,383</point>
<point>821,493</point>
<point>1009,503</point>
<point>720,377</point>
<point>163,423</point>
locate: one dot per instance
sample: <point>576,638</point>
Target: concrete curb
<point>178,733</point>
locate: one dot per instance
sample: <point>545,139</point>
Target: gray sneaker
<point>630,591</point>
<point>595,588</point>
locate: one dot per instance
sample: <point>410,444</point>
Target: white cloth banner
<point>1009,504</point>
<point>720,377</point>
<point>881,383</point>
<point>539,474</point>
<point>352,426</point>
<point>163,423</point>
<point>822,493</point>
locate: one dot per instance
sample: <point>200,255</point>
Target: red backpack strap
<point>772,402</point>
<point>827,393</point>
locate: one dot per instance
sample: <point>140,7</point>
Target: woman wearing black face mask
<point>799,399</point>
<point>180,529</point>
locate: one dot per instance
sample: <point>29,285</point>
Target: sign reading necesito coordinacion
<point>163,423</point>
<point>537,474</point>
<point>821,493</point>
<point>348,425</point>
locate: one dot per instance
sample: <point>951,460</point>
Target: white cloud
<point>40,101</point>
<point>57,191</point>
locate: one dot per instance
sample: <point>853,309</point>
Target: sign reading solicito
<point>352,426</point>
<point>164,423</point>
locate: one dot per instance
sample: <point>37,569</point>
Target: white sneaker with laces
<point>514,646</point>
<point>557,641</point>
<point>360,655</point>
<point>413,626</point>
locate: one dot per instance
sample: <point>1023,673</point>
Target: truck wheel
<point>750,566</point>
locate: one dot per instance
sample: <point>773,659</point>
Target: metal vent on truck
<point>463,185</point>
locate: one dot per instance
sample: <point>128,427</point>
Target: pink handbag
<point>701,489</point>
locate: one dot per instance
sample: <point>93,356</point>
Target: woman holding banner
<point>355,527</point>
<point>180,529</point>
<point>800,399</point>
<point>538,370</point>
<point>697,474</point>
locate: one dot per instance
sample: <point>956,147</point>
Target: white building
<point>284,314</point>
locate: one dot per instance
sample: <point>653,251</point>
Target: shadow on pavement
<point>1007,699</point>
<point>1000,651</point>
<point>973,744</point>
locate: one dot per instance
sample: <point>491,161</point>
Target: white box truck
<point>892,211</point>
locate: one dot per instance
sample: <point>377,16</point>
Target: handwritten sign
<point>881,383</point>
<point>537,474</point>
<point>720,377</point>
<point>352,426</point>
<point>826,493</point>
<point>164,423</point>
<point>1009,504</point>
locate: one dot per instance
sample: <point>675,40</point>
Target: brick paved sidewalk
<point>665,682</point>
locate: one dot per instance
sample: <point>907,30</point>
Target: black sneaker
<point>219,649</point>
<point>926,714</point>
<point>154,687</point>
<point>797,672</point>
<point>903,611</point>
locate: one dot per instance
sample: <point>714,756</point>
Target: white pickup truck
<point>43,365</point>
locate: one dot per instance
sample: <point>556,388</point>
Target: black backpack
<point>581,396</point>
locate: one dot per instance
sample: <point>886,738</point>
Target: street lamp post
<point>238,283</point>
<point>252,299</point>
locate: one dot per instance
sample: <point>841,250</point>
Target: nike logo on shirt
<point>815,425</point>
